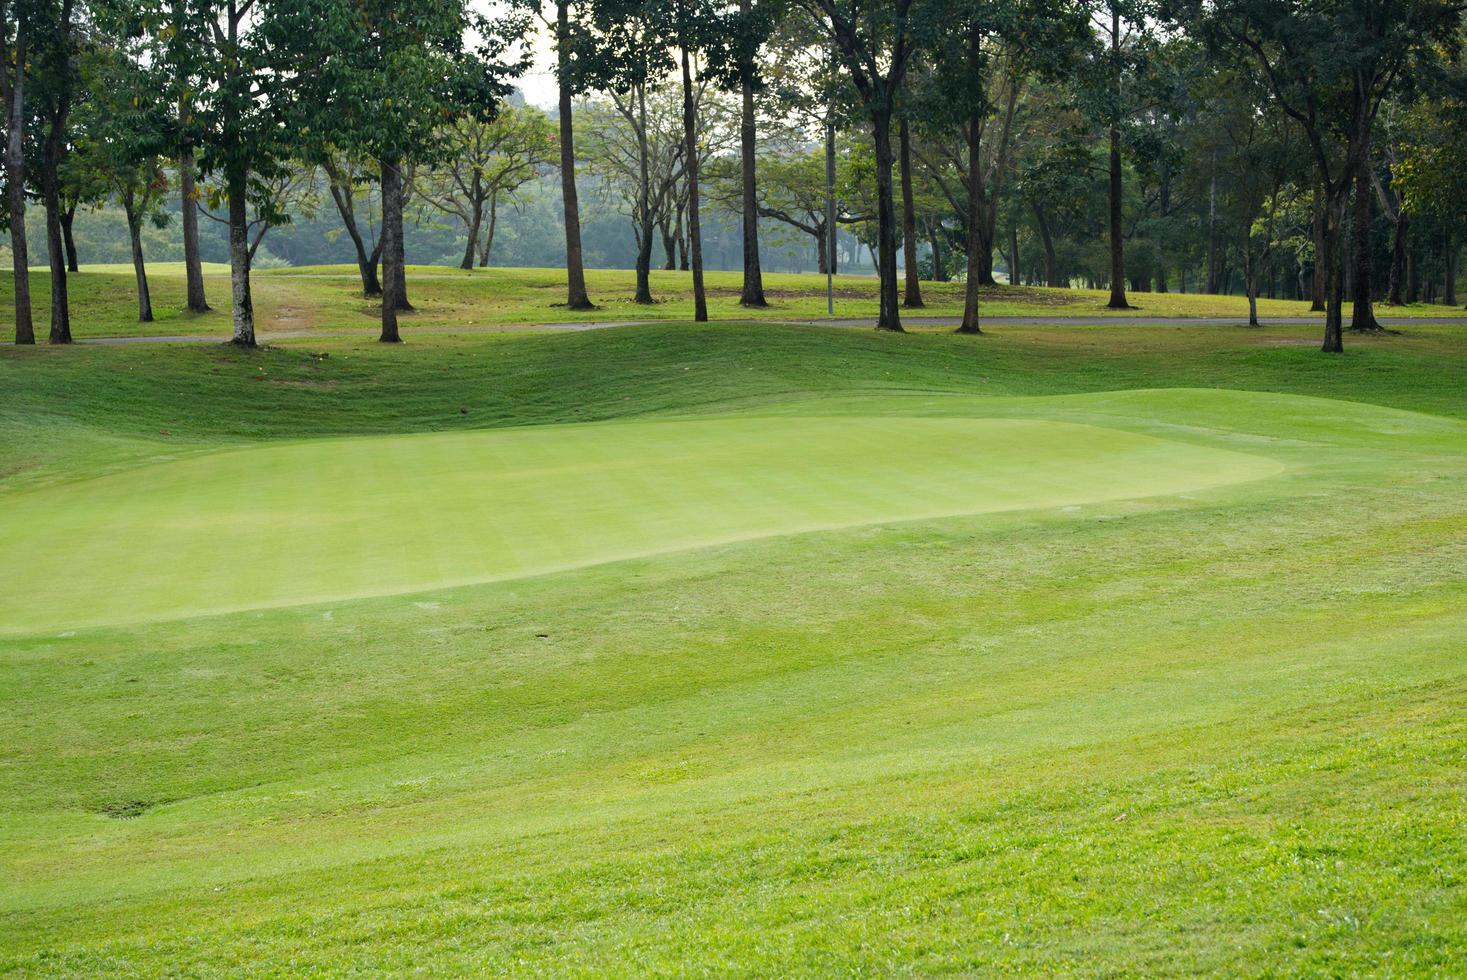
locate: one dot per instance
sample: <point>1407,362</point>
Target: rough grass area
<point>327,299</point>
<point>1207,723</point>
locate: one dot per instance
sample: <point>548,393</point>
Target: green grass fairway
<point>336,519</point>
<point>737,649</point>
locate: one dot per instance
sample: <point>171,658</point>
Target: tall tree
<point>977,74</point>
<point>752,293</point>
<point>570,82</point>
<point>1113,23</point>
<point>54,92</point>
<point>629,57</point>
<point>1329,67</point>
<point>1431,175</point>
<point>349,179</point>
<point>792,192</point>
<point>196,299</point>
<point>407,69</point>
<point>254,70</point>
<point>485,162</point>
<point>876,44</point>
<point>694,27</point>
<point>725,44</point>
<point>912,288</point>
<point>17,18</point>
<point>121,132</point>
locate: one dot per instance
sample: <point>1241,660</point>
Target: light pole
<point>830,188</point>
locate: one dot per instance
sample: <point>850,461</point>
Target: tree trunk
<point>15,170</point>
<point>1212,228</point>
<point>695,234</point>
<point>934,244</point>
<point>1051,260</point>
<point>52,151</point>
<point>139,270</point>
<point>55,249</point>
<point>471,250</point>
<point>669,245</point>
<point>890,317</point>
<point>239,262</point>
<point>392,252</point>
<point>1250,283</point>
<point>752,294</point>
<point>1363,319</point>
<point>912,299</point>
<point>1396,290</point>
<point>1014,277</point>
<point>644,267</point>
<point>681,239</point>
<point>1449,257</point>
<point>1117,242</point>
<point>576,296</point>
<point>68,216</point>
<point>1333,256</point>
<point>975,216</point>
<point>366,264</point>
<point>189,213</point>
<point>489,237</point>
<point>644,205</point>
<point>1318,292</point>
<point>1413,276</point>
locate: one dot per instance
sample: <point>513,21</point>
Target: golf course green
<point>345,518</point>
<point>774,650</point>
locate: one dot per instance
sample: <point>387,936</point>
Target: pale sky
<point>538,83</point>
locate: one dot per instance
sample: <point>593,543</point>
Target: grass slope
<point>327,299</point>
<point>1215,729</point>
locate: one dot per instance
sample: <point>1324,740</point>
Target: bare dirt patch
<point>125,809</point>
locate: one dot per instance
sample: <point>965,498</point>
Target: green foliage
<point>248,76</point>
<point>407,71</point>
<point>1432,174</point>
<point>120,132</point>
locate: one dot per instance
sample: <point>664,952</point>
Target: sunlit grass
<point>327,299</point>
<point>1204,728</point>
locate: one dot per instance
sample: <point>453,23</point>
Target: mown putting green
<point>341,518</point>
